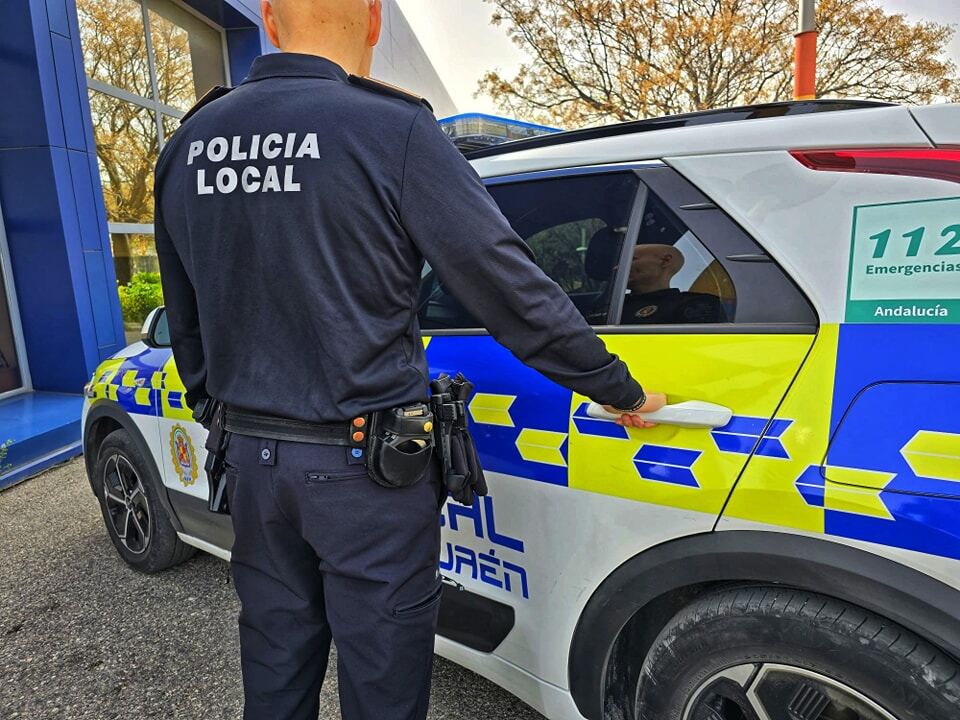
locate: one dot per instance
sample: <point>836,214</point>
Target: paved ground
<point>84,636</point>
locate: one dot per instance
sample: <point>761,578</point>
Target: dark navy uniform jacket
<point>672,306</point>
<point>293,216</point>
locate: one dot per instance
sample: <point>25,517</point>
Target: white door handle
<point>689,414</point>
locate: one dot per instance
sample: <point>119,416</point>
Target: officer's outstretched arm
<point>454,222</point>
<point>182,315</point>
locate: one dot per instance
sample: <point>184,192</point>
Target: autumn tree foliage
<point>596,61</point>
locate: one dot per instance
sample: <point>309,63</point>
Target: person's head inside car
<point>651,300</point>
<point>653,267</point>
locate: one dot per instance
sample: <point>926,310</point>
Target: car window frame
<point>737,252</point>
<point>678,194</point>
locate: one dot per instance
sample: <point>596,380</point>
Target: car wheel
<point>770,653</point>
<point>128,488</point>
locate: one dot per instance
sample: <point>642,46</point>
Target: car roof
<point>776,126</point>
<point>703,117</point>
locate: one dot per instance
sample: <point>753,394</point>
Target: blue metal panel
<point>58,15</point>
<point>22,123</point>
<point>92,235</point>
<point>97,284</point>
<point>42,276</point>
<point>43,429</point>
<point>243,46</point>
<point>69,91</point>
<point>47,69</point>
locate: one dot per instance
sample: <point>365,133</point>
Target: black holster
<point>400,445</point>
<point>210,414</point>
<point>462,472</point>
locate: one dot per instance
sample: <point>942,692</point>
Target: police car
<point>795,263</point>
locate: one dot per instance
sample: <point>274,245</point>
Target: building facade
<point>91,90</point>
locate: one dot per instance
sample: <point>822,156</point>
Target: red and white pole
<point>805,53</point>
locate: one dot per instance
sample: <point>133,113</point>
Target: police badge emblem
<point>647,311</point>
<point>183,456</point>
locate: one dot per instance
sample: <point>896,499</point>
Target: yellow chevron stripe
<point>492,409</point>
<point>934,455</point>
<point>542,446</point>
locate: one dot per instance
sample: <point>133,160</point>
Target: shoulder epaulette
<point>214,93</point>
<point>383,88</point>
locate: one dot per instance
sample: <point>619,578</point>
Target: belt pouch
<point>400,445</point>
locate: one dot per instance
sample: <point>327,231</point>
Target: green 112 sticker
<point>905,262</point>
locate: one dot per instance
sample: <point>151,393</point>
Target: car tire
<point>128,488</point>
<point>740,653</point>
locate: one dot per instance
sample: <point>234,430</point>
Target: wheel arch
<point>105,416</point>
<point>628,609</point>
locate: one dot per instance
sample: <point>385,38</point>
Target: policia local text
<point>252,178</point>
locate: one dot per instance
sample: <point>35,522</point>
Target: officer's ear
<point>269,22</point>
<point>376,22</point>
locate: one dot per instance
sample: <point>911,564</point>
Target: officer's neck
<point>641,288</point>
<point>356,61</point>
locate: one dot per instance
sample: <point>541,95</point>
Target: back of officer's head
<point>344,31</point>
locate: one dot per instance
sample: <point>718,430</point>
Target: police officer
<point>653,301</point>
<point>293,215</point>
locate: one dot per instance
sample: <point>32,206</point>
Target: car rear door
<point>573,497</point>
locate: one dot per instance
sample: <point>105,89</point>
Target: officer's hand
<point>654,402</point>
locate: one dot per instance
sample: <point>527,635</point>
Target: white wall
<point>401,60</point>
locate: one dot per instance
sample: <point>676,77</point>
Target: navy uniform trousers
<point>322,552</point>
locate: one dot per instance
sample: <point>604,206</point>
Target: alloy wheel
<point>769,691</point>
<point>127,505</point>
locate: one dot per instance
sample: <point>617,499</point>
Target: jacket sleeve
<point>182,314</point>
<point>456,225</point>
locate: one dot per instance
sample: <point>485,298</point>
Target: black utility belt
<point>398,442</point>
<point>254,424</point>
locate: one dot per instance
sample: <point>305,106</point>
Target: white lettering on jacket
<point>223,152</point>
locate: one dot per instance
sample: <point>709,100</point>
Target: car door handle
<point>688,414</point>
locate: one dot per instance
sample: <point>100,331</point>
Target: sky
<point>463,45</point>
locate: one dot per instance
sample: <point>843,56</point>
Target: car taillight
<point>917,162</point>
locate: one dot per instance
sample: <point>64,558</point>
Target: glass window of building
<point>147,62</point>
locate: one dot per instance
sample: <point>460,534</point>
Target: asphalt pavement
<point>83,636</point>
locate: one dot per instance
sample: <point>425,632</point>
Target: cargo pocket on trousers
<point>422,606</point>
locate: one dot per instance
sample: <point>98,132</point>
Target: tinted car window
<point>575,226</point>
<point>673,278</point>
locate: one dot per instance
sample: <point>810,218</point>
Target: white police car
<point>797,263</point>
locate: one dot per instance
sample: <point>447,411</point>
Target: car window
<point>576,228</point>
<point>672,278</point>
<point>161,331</point>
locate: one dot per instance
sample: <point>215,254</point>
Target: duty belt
<point>248,422</point>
